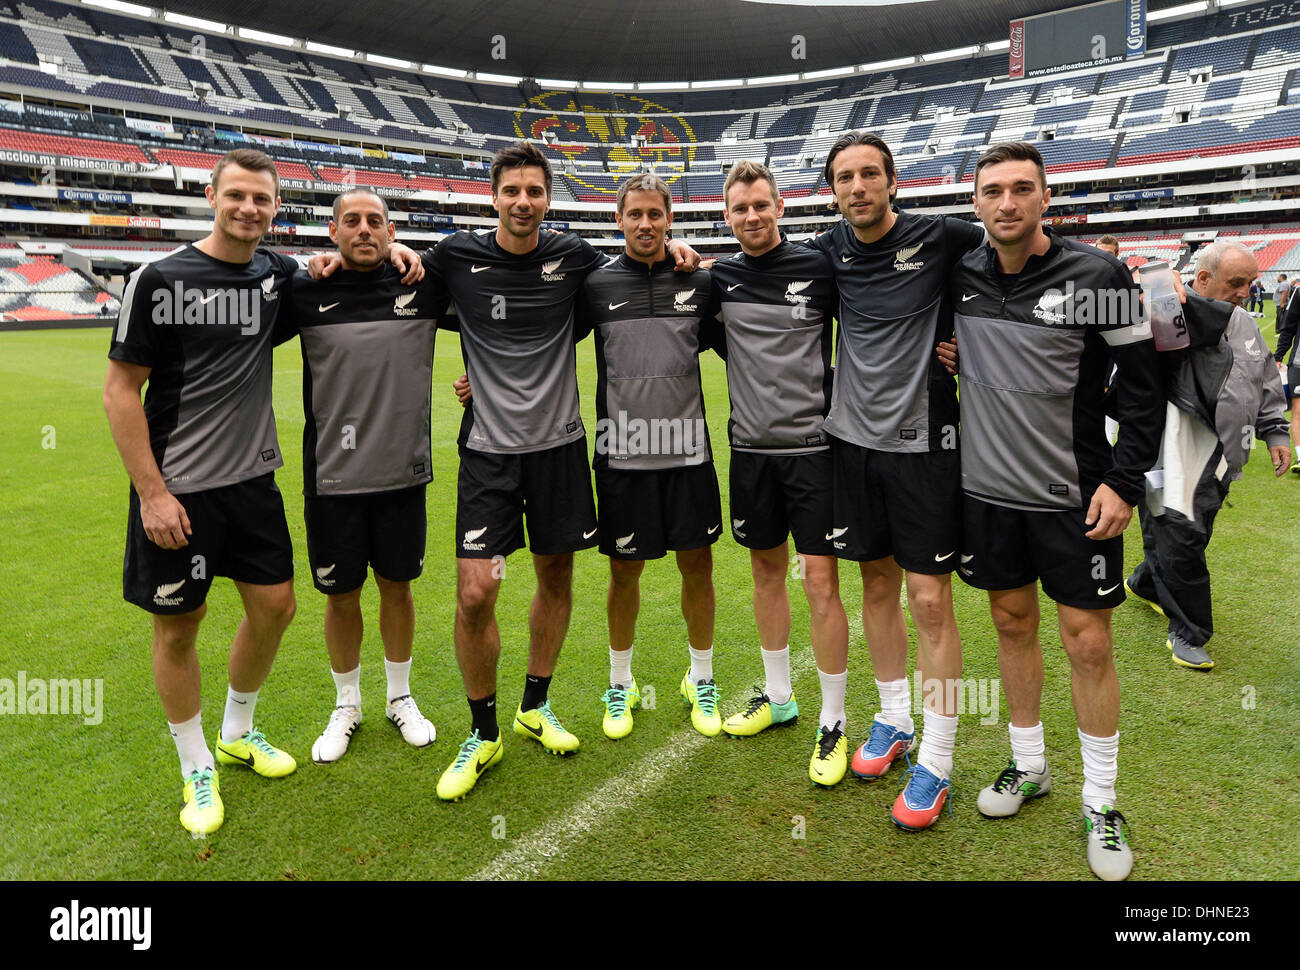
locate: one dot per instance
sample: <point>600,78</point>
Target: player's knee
<point>178,632</point>
<point>625,574</point>
<point>1090,650</point>
<point>344,604</point>
<point>930,610</point>
<point>768,571</point>
<point>1014,624</point>
<point>392,593</point>
<point>476,599</point>
<point>696,565</point>
<point>554,575</point>
<point>280,608</point>
<point>822,588</point>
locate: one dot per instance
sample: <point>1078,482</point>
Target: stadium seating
<point>40,288</point>
<point>1207,86</point>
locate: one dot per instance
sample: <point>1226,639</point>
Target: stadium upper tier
<point>1202,90</point>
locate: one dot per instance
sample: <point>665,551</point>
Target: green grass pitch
<point>1208,772</point>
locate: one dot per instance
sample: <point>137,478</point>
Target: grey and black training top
<point>205,328</point>
<point>891,393</point>
<point>1251,403</point>
<point>777,332</point>
<point>367,354</point>
<point>649,403</point>
<point>516,320</point>
<point>1036,349</point>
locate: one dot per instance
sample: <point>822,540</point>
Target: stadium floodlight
<point>884,65</point>
<point>444,71</point>
<point>773,79</point>
<point>661,85</point>
<point>607,86</point>
<point>734,82</point>
<point>387,61</point>
<point>121,7</point>
<point>550,82</point>
<point>317,48</point>
<point>188,21</point>
<point>1155,16</point>
<point>265,36</point>
<point>829,72</point>
<point>951,54</point>
<point>997,45</point>
<point>500,78</point>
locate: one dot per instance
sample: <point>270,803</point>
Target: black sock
<point>483,715</point>
<point>535,689</point>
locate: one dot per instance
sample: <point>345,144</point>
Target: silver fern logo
<point>680,304</point>
<point>402,307</point>
<point>548,271</point>
<point>903,259</point>
<point>794,290</point>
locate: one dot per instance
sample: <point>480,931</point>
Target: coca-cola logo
<point>1017,41</point>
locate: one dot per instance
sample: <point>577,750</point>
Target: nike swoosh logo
<point>615,306</point>
<point>322,309</point>
<point>248,761</point>
<point>478,269</point>
<point>531,730</point>
<point>588,535</point>
<point>733,286</point>
<point>942,558</point>
<point>1107,592</point>
<point>969,296</point>
<point>846,259</point>
<point>480,765</point>
<point>714,529</point>
<point>238,701</point>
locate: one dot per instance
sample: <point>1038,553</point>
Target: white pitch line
<point>550,842</point>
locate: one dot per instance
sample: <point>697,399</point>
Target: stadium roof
<point>634,40</point>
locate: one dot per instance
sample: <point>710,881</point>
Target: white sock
<point>896,704</point>
<point>937,742</point>
<point>833,699</point>
<point>620,667</point>
<point>1027,747</point>
<point>399,679</point>
<point>239,714</point>
<point>347,687</point>
<point>191,745</point>
<point>701,664</point>
<point>1100,767</point>
<point>776,665</point>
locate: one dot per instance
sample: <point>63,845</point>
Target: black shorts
<point>644,514</point>
<point>773,496</point>
<point>893,504</point>
<point>1005,548</point>
<point>1293,383</point>
<point>552,488</point>
<point>349,534</point>
<point>237,531</point>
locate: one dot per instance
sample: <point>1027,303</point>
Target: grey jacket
<point>1217,390</point>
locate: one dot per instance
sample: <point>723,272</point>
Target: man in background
<point>1174,578</point>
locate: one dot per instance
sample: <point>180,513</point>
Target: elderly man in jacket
<point>1223,391</point>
